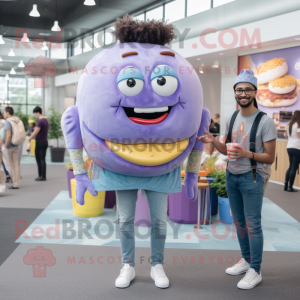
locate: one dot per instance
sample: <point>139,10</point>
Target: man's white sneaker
<point>250,280</point>
<point>158,275</point>
<point>241,267</point>
<point>127,274</point>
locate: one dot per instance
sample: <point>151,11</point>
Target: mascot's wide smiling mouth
<point>147,116</point>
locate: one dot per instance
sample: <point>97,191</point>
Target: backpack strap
<point>252,142</point>
<point>228,139</point>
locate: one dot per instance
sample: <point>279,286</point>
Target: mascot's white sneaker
<point>241,267</point>
<point>250,280</point>
<point>158,275</point>
<point>127,274</point>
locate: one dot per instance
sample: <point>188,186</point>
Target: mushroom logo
<point>39,258</point>
<point>40,68</point>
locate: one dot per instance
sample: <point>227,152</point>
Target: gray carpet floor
<point>77,274</point>
<point>83,279</point>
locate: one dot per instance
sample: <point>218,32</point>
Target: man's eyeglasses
<point>247,91</point>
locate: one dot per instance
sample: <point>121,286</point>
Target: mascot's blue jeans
<point>245,198</point>
<point>158,204</point>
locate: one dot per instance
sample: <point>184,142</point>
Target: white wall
<point>228,103</point>
<point>211,85</point>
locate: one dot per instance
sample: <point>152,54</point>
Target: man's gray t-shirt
<point>266,131</point>
<point>7,126</point>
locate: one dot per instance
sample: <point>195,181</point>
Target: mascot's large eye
<point>164,80</point>
<point>130,81</point>
<point>131,86</point>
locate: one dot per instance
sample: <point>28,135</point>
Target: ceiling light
<point>221,53</point>
<point>89,2</point>
<point>1,39</point>
<point>6,77</point>
<point>21,64</point>
<point>44,47</point>
<point>0,58</point>
<point>13,72</point>
<point>25,38</point>
<point>55,26</point>
<point>11,53</point>
<point>198,58</point>
<point>34,12</point>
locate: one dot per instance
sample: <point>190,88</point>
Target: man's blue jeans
<point>158,204</point>
<point>245,198</point>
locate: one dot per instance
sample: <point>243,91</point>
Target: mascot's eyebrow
<point>129,53</point>
<point>169,53</point>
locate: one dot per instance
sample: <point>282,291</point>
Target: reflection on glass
<point>175,10</point>
<point>109,37</point>
<point>156,14</point>
<point>88,43</point>
<point>99,39</point>
<point>221,2</point>
<point>196,6</point>
<point>77,47</point>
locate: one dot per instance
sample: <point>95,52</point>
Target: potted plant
<point>70,176</point>
<point>219,185</point>
<point>55,132</point>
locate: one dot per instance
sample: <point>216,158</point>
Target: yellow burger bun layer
<point>149,154</point>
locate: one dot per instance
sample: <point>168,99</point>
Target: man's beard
<point>244,105</point>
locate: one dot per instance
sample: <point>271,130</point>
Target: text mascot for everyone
<point>139,109</point>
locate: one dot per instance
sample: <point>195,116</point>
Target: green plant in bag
<point>219,184</point>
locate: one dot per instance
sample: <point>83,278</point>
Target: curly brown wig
<point>128,30</point>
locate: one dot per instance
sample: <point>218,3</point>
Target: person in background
<point>40,134</point>
<point>29,132</point>
<point>12,151</point>
<point>217,122</point>
<point>293,149</point>
<point>2,121</point>
<point>212,128</point>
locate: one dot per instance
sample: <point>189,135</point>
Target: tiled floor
<point>281,231</point>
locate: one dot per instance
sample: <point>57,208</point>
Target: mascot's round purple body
<point>101,105</point>
<point>133,95</point>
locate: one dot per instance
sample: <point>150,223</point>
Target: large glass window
<point>3,89</point>
<point>109,37</point>
<point>197,6</point>
<point>59,50</point>
<point>88,43</point>
<point>221,2</point>
<point>21,93</point>
<point>77,47</point>
<point>140,17</point>
<point>99,39</point>
<point>175,10</point>
<point>155,14</point>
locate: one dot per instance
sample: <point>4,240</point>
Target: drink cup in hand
<point>231,146</point>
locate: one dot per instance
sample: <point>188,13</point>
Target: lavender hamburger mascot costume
<point>139,109</point>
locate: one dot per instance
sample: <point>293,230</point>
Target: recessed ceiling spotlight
<point>198,58</point>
